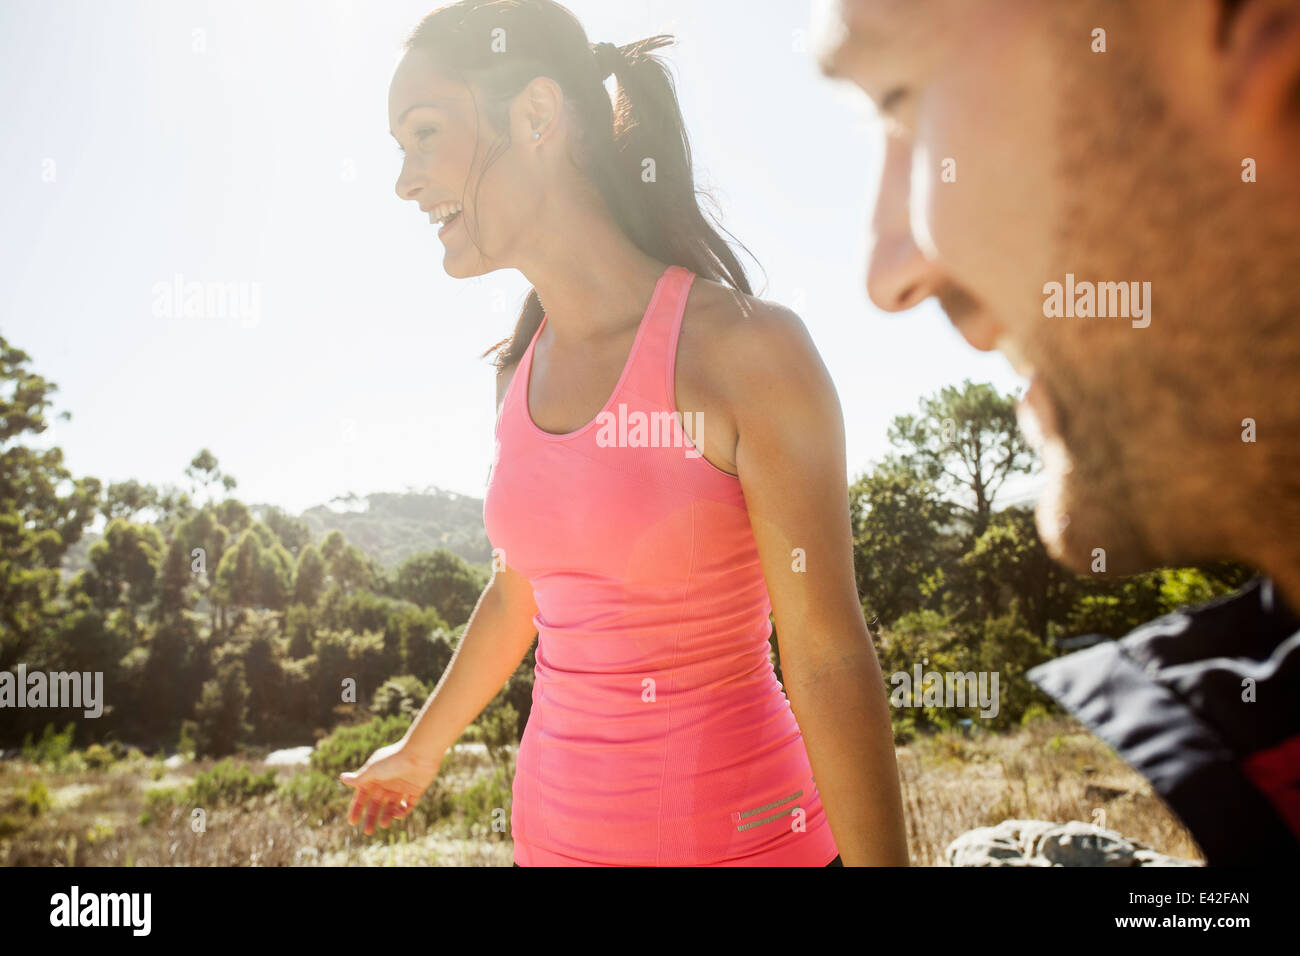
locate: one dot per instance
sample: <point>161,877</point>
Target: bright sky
<point>247,143</point>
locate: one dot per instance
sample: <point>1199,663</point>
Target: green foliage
<point>1035,711</point>
<point>186,744</point>
<point>498,726</point>
<point>36,799</point>
<point>221,715</point>
<point>896,519</point>
<point>485,795</point>
<point>441,580</point>
<point>964,440</point>
<point>400,696</point>
<point>228,783</point>
<point>18,810</point>
<point>159,803</point>
<point>321,797</point>
<point>43,510</point>
<point>98,757</point>
<point>54,747</point>
<point>349,747</point>
<point>953,582</point>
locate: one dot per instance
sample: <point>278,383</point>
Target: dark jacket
<point>1175,700</point>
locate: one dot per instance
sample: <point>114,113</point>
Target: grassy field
<point>89,809</point>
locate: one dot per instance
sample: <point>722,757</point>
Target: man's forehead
<point>848,32</point>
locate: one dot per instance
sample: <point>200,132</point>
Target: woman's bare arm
<point>495,640</point>
<point>791,461</point>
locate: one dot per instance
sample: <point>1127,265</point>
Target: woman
<point>647,560</point>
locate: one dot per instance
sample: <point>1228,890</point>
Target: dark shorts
<point>835,862</point>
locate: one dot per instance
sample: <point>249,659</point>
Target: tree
<point>204,471</point>
<point>124,565</point>
<point>897,517</point>
<point>126,499</point>
<point>43,510</point>
<point>1010,570</point>
<point>309,579</point>
<point>222,711</point>
<point>966,441</point>
<point>440,580</point>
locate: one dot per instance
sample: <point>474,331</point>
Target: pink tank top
<point>659,734</point>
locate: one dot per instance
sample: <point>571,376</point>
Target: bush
<point>186,746</point>
<point>477,803</point>
<point>98,758</point>
<point>54,749</point>
<point>222,711</point>
<point>1034,712</point>
<point>159,802</point>
<point>400,697</point>
<point>20,809</point>
<point>318,795</point>
<point>349,747</point>
<point>229,784</point>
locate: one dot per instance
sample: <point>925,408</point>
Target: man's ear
<point>1260,53</point>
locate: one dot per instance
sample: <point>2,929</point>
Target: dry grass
<point>99,818</point>
<point>1051,770</point>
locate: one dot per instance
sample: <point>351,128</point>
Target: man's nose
<point>899,275</point>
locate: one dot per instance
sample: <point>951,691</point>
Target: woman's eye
<point>420,136</point>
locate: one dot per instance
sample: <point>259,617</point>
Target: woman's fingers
<point>372,814</point>
<point>375,805</point>
<point>359,801</point>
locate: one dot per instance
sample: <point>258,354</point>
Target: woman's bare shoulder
<point>744,340</point>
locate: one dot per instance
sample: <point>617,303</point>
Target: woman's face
<point>444,141</point>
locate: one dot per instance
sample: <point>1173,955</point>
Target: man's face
<point>1017,154</point>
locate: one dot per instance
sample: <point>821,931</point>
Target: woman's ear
<point>538,107</point>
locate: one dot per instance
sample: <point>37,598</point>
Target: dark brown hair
<point>498,46</point>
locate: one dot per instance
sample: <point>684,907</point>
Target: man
<point>1106,192</point>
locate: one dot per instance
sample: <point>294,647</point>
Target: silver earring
<point>537,136</point>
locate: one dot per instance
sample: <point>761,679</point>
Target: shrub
<point>54,749</point>
<point>18,810</point>
<point>229,783</point>
<point>477,802</point>
<point>318,795</point>
<point>349,747</point>
<point>189,730</point>
<point>400,697</point>
<point>98,758</point>
<point>1033,712</point>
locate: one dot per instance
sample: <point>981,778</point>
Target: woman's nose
<point>406,186</point>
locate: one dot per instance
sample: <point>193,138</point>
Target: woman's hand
<point>389,785</point>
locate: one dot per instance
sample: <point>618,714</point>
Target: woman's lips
<point>449,224</point>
